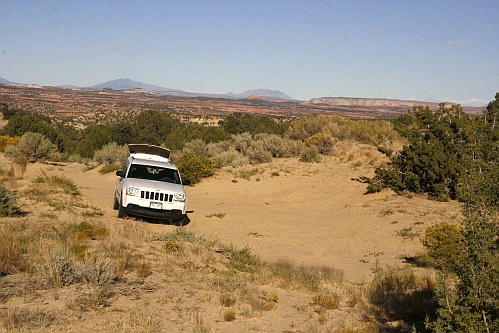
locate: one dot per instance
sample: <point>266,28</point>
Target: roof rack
<point>138,148</point>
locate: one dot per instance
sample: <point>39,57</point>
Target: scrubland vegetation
<point>68,262</point>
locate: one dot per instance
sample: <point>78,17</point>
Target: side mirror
<point>120,173</point>
<point>186,182</point>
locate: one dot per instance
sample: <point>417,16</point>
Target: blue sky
<point>422,50</point>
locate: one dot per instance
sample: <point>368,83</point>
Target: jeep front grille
<point>156,196</point>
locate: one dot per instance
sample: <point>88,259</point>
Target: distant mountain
<point>5,81</point>
<point>263,93</point>
<point>127,84</point>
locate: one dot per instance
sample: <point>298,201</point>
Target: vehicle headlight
<point>180,197</point>
<point>133,191</point>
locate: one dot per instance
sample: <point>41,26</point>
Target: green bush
<point>195,167</point>
<point>93,139</point>
<point>444,244</point>
<point>8,202</point>
<point>237,123</point>
<point>33,147</point>
<point>108,168</point>
<point>451,155</point>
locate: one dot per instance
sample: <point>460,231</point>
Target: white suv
<point>150,185</point>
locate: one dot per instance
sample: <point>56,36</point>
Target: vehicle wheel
<point>121,211</point>
<point>116,204</point>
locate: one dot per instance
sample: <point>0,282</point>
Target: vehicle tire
<point>116,204</point>
<point>121,211</point>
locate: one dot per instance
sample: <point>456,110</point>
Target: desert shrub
<point>242,259</point>
<point>277,145</point>
<point>307,126</point>
<point>33,147</point>
<point>237,123</point>
<point>143,269</point>
<point>310,154</point>
<point>229,315</point>
<point>364,131</point>
<point>451,155</point>
<point>323,141</point>
<point>85,230</point>
<point>196,146</point>
<point>242,141</point>
<point>65,184</point>
<point>8,202</point>
<point>6,141</point>
<point>182,235</point>
<point>230,158</point>
<point>78,159</point>
<point>171,246</point>
<point>258,153</point>
<point>216,148</point>
<point>444,245</point>
<point>310,277</point>
<point>401,295</point>
<point>195,167</point>
<point>23,123</point>
<point>57,269</point>
<point>108,168</point>
<point>98,270</point>
<point>93,138</point>
<point>469,297</point>
<point>330,301</point>
<point>227,299</point>
<point>111,153</point>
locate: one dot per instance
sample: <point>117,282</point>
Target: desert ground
<point>307,213</point>
<point>311,213</point>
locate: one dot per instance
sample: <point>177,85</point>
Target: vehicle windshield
<point>148,172</point>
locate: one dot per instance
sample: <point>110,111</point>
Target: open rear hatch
<point>141,148</point>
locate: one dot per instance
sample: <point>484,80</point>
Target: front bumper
<point>135,210</point>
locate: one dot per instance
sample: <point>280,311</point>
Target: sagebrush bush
<point>364,131</point>
<point>196,146</point>
<point>195,167</point>
<point>258,153</point>
<point>98,270</point>
<point>215,148</point>
<point>242,141</point>
<point>231,158</point>
<point>112,153</point>
<point>33,147</point>
<point>310,154</point>
<point>57,269</point>
<point>277,145</point>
